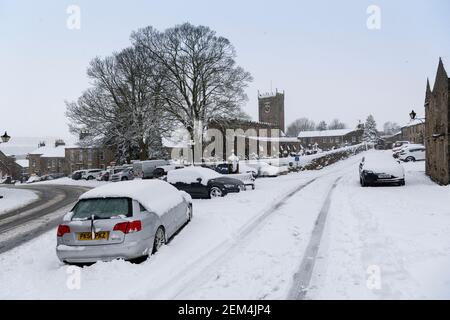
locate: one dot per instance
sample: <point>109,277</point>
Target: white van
<point>145,169</point>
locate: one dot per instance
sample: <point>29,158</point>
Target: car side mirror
<point>199,180</point>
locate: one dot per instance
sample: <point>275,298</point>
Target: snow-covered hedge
<point>321,160</point>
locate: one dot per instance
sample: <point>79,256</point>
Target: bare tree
<point>336,124</point>
<point>200,78</point>
<point>122,109</point>
<point>322,126</point>
<point>301,124</point>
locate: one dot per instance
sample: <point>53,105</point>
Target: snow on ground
<point>70,182</point>
<point>397,235</point>
<point>230,251</point>
<point>15,199</point>
<point>33,270</point>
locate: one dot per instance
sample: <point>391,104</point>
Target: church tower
<point>271,108</point>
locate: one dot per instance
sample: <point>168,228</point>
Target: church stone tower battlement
<point>271,108</point>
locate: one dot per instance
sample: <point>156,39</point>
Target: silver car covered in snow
<point>126,220</point>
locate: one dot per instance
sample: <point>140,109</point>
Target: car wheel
<point>124,179</point>
<point>215,192</point>
<point>189,213</point>
<point>160,239</point>
<point>90,178</point>
<point>363,183</point>
<point>410,159</point>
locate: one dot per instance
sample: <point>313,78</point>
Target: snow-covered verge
<point>15,199</point>
<point>386,242</point>
<point>70,182</point>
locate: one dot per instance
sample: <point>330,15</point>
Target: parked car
<point>398,145</point>
<point>76,175</point>
<point>145,169</point>
<point>126,220</point>
<point>104,175</point>
<point>412,153</point>
<point>378,169</point>
<point>33,178</point>
<point>161,171</point>
<point>123,175</point>
<point>91,174</point>
<point>396,154</point>
<point>264,169</point>
<point>203,182</point>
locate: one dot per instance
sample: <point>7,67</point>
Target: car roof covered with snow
<point>382,162</point>
<point>155,195</point>
<point>190,175</point>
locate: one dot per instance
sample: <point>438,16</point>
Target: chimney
<point>83,134</point>
<point>59,142</point>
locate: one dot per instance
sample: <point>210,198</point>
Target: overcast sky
<point>320,52</point>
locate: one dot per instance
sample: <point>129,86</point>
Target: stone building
<point>79,158</point>
<point>329,139</point>
<point>47,159</point>
<point>414,132</point>
<point>254,139</point>
<point>437,127</point>
<point>9,167</point>
<point>271,109</point>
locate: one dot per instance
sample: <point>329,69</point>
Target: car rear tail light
<point>128,227</point>
<point>62,230</point>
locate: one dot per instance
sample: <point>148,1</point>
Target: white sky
<point>320,52</point>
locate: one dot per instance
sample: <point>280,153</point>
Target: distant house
<point>329,139</point>
<point>78,158</point>
<point>414,132</point>
<point>9,167</point>
<point>47,159</point>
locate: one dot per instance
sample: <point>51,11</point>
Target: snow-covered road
<point>250,246</point>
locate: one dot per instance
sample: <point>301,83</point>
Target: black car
<point>203,183</point>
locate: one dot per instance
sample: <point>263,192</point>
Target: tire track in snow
<point>222,251</point>
<point>303,276</point>
<point>219,252</point>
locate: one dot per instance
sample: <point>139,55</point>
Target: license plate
<point>384,176</point>
<point>102,235</point>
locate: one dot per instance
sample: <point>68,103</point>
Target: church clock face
<point>267,107</point>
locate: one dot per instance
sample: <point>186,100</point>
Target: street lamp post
<point>413,116</point>
<point>4,138</point>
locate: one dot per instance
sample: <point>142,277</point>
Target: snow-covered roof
<point>275,139</point>
<point>414,123</point>
<point>325,133</point>
<point>50,152</point>
<point>24,163</point>
<point>155,195</point>
<point>190,175</point>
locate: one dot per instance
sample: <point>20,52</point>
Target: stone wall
<point>437,129</point>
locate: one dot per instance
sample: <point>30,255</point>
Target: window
<point>102,208</point>
<point>337,140</point>
<point>102,155</point>
<point>141,208</point>
<point>324,140</point>
<point>80,156</point>
<point>353,139</point>
<point>89,152</point>
<point>331,140</point>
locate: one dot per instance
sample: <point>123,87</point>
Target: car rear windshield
<point>103,208</point>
